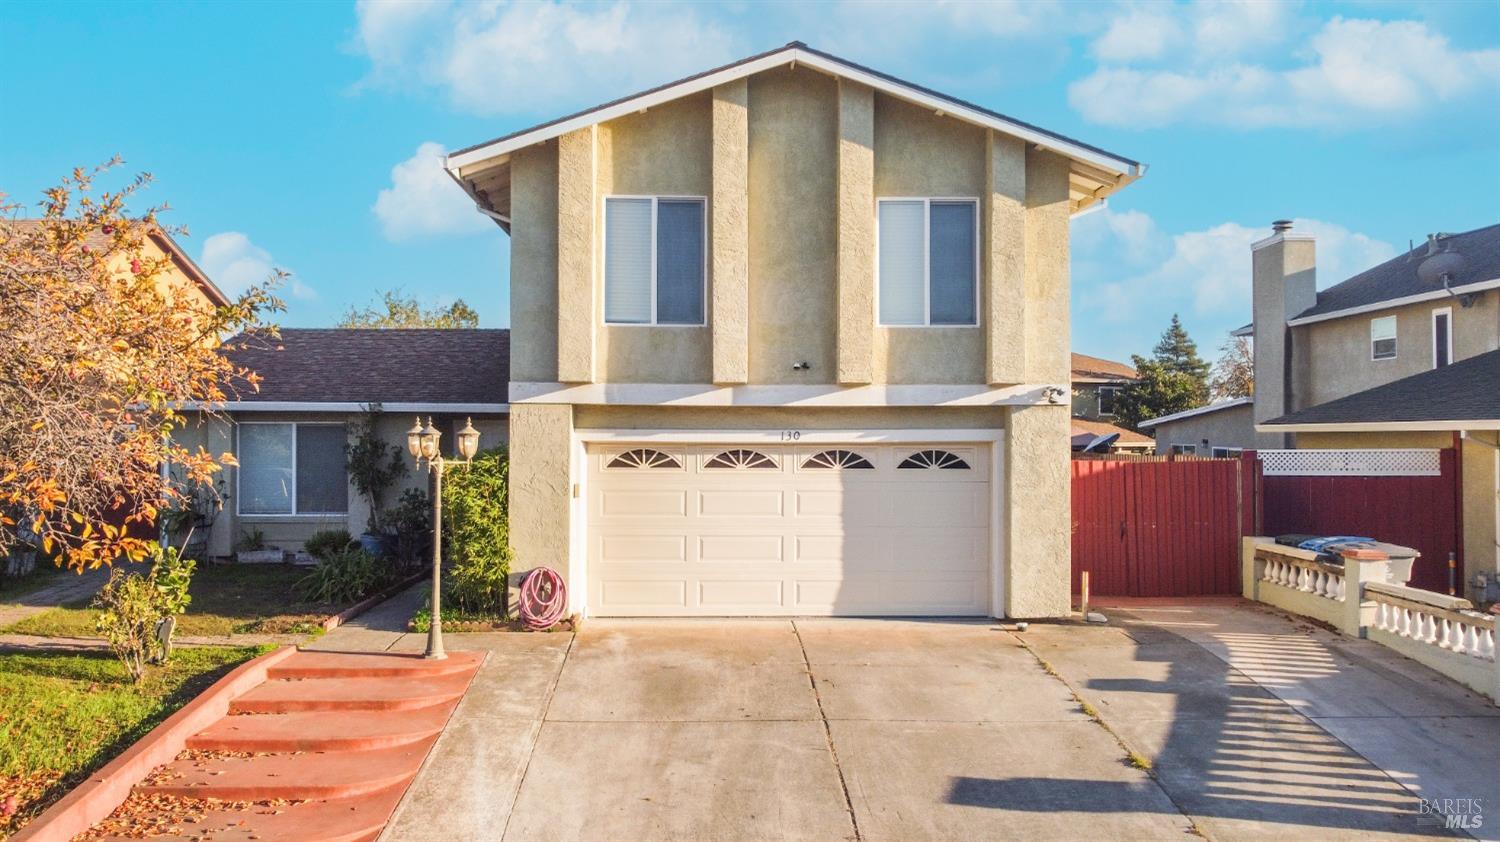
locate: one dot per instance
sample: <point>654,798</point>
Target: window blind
<point>627,262</point>
<point>265,459</point>
<point>902,257</point>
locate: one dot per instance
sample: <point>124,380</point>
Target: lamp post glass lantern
<point>424,445</point>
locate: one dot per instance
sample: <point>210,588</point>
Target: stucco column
<point>730,214</point>
<point>856,234</point>
<point>541,482</point>
<point>1038,498</point>
<point>1047,331</point>
<point>576,243</point>
<point>1003,253</point>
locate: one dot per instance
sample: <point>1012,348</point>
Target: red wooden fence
<point>1413,511</point>
<point>1161,527</point>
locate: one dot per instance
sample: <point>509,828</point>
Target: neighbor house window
<point>1185,449</point>
<point>654,261</point>
<point>1442,337</point>
<point>1383,338</point>
<point>1107,395</point>
<point>928,263</point>
<point>292,469</point>
<point>1226,452</point>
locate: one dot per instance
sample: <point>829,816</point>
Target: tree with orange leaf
<point>101,360</point>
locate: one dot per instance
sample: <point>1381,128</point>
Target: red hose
<point>544,598</point>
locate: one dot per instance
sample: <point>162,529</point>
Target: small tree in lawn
<point>1234,373</point>
<point>397,310</point>
<point>99,354</point>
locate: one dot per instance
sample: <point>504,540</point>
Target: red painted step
<point>300,775</point>
<point>345,820</point>
<point>350,665</point>
<point>308,694</point>
<point>358,730</point>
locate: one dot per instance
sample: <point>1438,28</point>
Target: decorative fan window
<point>644,458</point>
<point>741,459</point>
<point>934,459</point>
<point>836,459</point>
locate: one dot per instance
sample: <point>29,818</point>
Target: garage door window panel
<point>938,459</point>
<point>838,460</point>
<point>645,458</point>
<point>739,458</point>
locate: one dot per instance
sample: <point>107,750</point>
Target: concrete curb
<point>369,602</point>
<point>93,800</point>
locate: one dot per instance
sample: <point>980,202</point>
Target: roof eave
<point>1379,426</point>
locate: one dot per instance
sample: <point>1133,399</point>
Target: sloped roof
<point>1466,391</point>
<point>1202,410</point>
<point>1086,367</point>
<point>1397,278</point>
<point>363,365</point>
<point>482,170</point>
<point>163,241</point>
<point>1091,429</point>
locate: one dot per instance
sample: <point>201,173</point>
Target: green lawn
<point>63,715</point>
<point>227,599</point>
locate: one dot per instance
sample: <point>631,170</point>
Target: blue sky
<point>306,135</point>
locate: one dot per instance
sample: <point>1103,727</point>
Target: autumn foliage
<point>104,353</point>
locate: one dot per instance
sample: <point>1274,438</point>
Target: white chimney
<point>1283,284</point>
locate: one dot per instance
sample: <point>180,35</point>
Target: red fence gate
<point>1160,526</point>
<point>1406,497</point>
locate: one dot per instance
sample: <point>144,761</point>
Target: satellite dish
<point>1442,264</point>
<point>1100,444</point>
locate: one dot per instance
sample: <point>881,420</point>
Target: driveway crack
<point>828,733</point>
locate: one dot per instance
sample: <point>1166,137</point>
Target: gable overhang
<point>1190,413</point>
<point>1434,295</point>
<point>482,171</point>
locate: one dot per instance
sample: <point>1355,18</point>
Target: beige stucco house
<point>1097,384</point>
<point>791,337</point>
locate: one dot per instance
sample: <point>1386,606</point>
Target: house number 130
<point>791,435</point>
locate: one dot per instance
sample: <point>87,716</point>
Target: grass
<point>63,715</point>
<point>228,599</point>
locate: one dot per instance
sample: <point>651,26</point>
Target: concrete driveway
<point>898,730</point>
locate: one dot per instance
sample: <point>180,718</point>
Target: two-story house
<point>790,336</point>
<point>1097,384</point>
<point>1402,355</point>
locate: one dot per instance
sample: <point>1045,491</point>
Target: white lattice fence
<point>1409,462</point>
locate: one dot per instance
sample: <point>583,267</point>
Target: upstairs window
<point>1107,395</point>
<point>928,263</point>
<point>654,268</point>
<point>1442,337</point>
<point>1383,338</point>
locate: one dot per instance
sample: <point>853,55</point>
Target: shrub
<point>475,533</point>
<point>411,522</point>
<point>345,576</point>
<point>138,613</point>
<point>326,542</point>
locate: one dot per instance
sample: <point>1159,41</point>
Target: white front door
<point>760,529</point>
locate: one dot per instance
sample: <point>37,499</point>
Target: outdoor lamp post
<point>423,444</point>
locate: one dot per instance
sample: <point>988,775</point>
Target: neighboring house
<point>316,386</point>
<point>1398,356</point>
<point>791,337</point>
<point>1218,429</point>
<point>182,275</point>
<point>1097,383</point>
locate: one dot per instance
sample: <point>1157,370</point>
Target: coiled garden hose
<point>544,598</point>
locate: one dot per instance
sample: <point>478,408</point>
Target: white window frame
<point>1395,337</point>
<point>1100,397</point>
<point>293,513</point>
<point>1225,452</point>
<point>1448,312</point>
<point>604,259</point>
<point>927,259</point>
<point>1184,449</point>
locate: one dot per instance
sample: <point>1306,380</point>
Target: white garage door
<point>754,529</point>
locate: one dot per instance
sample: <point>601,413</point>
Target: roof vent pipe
<point>1281,226</point>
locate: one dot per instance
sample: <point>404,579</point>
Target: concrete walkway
<point>1255,725</point>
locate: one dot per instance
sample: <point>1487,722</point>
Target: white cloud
<point>423,201</point>
<point>498,57</point>
<point>1352,72</point>
<point>1124,264</point>
<point>235,264</point>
